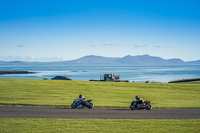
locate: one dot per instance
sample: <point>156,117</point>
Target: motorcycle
<point>80,104</point>
<point>135,105</point>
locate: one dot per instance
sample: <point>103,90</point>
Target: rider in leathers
<point>82,99</point>
<point>139,100</point>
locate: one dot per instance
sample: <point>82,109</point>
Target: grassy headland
<point>103,94</point>
<point>14,72</point>
<point>186,80</point>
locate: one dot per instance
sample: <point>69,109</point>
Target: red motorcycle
<point>135,105</point>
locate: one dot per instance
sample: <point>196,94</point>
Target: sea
<point>140,74</point>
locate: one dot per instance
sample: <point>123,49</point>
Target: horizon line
<point>63,60</point>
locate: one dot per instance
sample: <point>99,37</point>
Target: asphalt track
<point>96,113</point>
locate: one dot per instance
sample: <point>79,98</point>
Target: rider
<point>81,99</point>
<point>139,100</point>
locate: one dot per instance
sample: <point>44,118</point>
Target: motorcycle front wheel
<point>132,107</point>
<point>148,107</point>
<point>90,106</point>
<point>74,106</point>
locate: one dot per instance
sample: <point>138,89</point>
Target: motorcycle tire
<point>90,106</point>
<point>132,107</point>
<point>74,106</point>
<point>148,107</point>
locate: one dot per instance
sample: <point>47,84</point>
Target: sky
<point>56,30</point>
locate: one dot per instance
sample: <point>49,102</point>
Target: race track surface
<point>96,113</point>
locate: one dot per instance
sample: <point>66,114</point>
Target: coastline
<point>163,74</point>
<point>2,72</point>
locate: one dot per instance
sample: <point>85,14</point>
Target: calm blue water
<point>132,73</point>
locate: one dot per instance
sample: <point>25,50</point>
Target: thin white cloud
<point>140,46</point>
<point>20,46</point>
<point>111,44</point>
<point>162,46</point>
<point>30,58</point>
<point>93,45</point>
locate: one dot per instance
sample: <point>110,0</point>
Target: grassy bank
<point>103,94</point>
<point>186,80</point>
<point>97,125</point>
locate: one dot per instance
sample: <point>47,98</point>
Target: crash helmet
<point>137,97</point>
<point>80,96</point>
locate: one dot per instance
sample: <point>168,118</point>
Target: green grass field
<point>97,125</point>
<point>103,94</point>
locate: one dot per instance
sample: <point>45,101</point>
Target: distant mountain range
<point>92,60</point>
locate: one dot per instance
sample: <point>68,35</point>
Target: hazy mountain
<point>175,61</point>
<point>92,60</point>
<point>193,62</point>
<point>141,60</point>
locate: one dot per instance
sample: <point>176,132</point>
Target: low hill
<point>94,60</point>
<point>14,72</point>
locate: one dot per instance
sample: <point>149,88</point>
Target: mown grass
<point>98,125</point>
<point>103,94</point>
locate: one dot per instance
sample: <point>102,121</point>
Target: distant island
<point>14,72</point>
<point>93,60</point>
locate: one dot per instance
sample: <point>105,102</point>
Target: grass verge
<point>103,94</point>
<point>98,125</point>
<point>185,80</point>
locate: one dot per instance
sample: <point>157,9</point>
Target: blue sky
<point>52,30</point>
